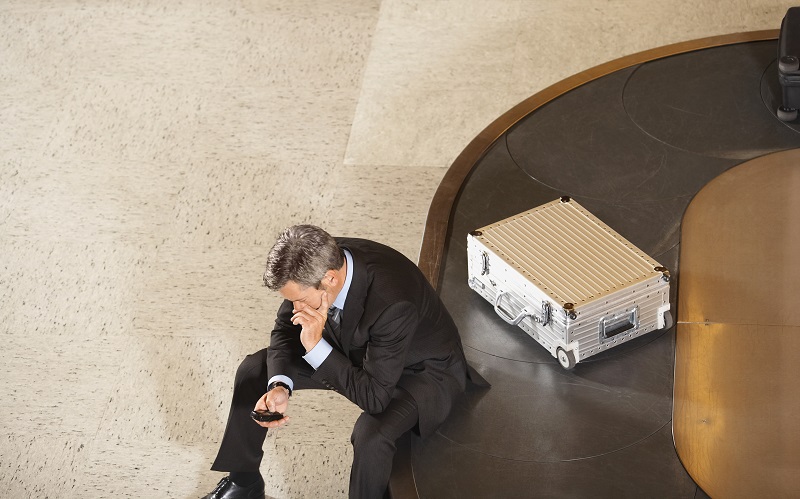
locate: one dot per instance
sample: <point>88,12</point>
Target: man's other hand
<point>312,320</point>
<point>275,400</point>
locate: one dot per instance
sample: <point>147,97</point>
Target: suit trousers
<point>373,437</point>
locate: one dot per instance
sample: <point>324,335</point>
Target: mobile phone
<point>266,416</point>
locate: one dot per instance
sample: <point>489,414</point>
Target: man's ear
<point>330,279</point>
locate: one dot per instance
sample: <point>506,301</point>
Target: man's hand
<point>312,320</point>
<point>275,400</point>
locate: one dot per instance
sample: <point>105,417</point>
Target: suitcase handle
<point>612,325</point>
<point>525,312</point>
<point>505,315</point>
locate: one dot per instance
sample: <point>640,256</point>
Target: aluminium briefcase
<point>568,280</point>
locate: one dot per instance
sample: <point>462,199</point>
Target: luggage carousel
<point>633,141</point>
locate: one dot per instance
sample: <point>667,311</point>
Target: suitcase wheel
<point>565,358</point>
<point>786,114</point>
<point>788,64</point>
<point>668,322</point>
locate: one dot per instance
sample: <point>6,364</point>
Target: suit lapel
<point>356,297</point>
<point>331,338</point>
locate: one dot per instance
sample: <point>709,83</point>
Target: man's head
<point>304,256</point>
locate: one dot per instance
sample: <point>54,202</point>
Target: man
<point>358,318</point>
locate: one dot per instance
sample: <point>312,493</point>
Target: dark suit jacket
<point>395,332</point>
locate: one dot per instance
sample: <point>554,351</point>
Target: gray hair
<point>302,253</point>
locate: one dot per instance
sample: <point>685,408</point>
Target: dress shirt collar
<point>342,296</point>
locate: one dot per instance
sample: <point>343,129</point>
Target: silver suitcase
<point>568,280</point>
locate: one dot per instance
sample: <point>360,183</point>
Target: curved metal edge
<point>440,211</point>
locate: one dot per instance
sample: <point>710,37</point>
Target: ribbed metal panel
<point>567,252</point>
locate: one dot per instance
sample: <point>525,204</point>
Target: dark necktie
<point>335,318</point>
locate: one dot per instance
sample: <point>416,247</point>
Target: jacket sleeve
<point>371,386</point>
<point>284,343</point>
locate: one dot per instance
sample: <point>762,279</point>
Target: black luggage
<point>789,65</point>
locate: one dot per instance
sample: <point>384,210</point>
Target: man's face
<point>309,295</point>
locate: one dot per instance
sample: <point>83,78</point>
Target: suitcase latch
<point>546,312</point>
<point>484,263</point>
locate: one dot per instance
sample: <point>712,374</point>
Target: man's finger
<point>262,403</point>
<point>305,319</point>
<point>295,318</point>
<point>274,424</point>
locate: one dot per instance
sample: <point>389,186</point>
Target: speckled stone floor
<point>149,154</point>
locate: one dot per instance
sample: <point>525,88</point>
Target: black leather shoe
<point>226,489</point>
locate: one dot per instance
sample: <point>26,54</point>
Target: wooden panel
<point>736,369</point>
